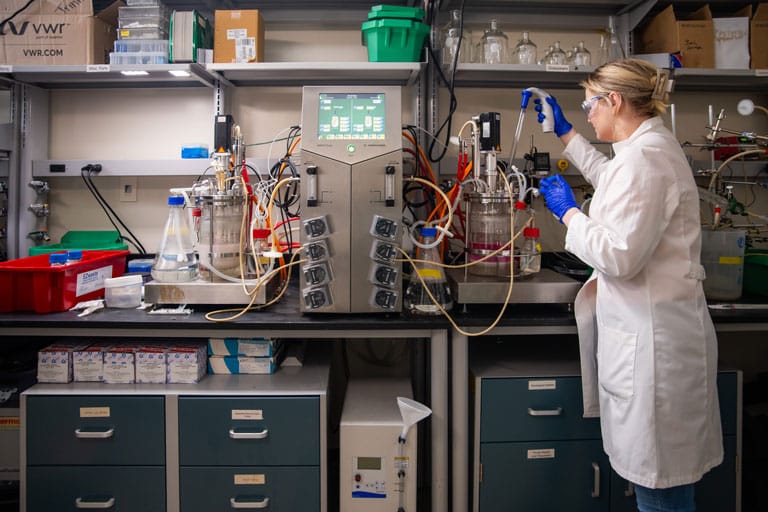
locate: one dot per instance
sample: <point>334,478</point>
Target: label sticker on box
<point>94,412</point>
<point>250,479</point>
<point>92,280</point>
<point>237,33</point>
<point>245,49</point>
<point>247,414</point>
<point>538,385</point>
<point>544,453</point>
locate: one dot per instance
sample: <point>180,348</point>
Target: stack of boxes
<point>244,355</point>
<point>126,363</point>
<point>142,33</point>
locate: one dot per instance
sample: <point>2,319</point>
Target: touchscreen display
<point>351,116</point>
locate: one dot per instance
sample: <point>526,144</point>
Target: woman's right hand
<point>562,126</point>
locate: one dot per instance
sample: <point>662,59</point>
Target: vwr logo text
<point>38,28</point>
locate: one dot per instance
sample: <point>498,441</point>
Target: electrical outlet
<point>128,186</point>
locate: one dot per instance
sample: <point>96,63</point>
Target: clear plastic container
<point>137,58</point>
<point>123,292</point>
<point>134,3</point>
<point>530,252</point>
<point>525,51</point>
<point>176,261</point>
<point>494,45</point>
<point>143,33</point>
<point>141,45</point>
<point>416,300</point>
<point>722,255</point>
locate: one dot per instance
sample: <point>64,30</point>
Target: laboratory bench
<point>448,366</point>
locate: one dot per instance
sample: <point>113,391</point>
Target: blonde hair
<point>635,80</point>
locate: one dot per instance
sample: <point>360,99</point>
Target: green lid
<point>395,11</point>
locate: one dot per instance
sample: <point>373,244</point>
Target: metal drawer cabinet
<point>94,451</point>
<point>277,489</point>
<point>249,431</point>
<point>106,430</point>
<point>74,488</point>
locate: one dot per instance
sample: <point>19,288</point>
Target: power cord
<point>85,174</point>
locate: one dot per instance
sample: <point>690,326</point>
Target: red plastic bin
<point>31,284</point>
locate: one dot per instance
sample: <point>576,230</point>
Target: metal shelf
<point>69,168</point>
<point>506,75</point>
<point>318,73</point>
<point>107,75</point>
<point>699,79</point>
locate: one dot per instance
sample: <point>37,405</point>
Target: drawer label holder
<point>94,412</point>
<point>542,453</point>
<point>253,479</point>
<point>539,385</point>
<point>247,414</point>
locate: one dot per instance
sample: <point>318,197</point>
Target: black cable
<point>85,172</point>
<point>9,18</point>
<point>99,199</point>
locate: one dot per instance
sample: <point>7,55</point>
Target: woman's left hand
<point>558,195</point>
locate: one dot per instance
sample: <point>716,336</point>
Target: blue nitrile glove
<point>562,126</point>
<point>558,195</point>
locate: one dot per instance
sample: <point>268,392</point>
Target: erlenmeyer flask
<point>176,261</point>
<point>495,45</point>
<point>452,35</point>
<point>614,49</point>
<point>525,51</point>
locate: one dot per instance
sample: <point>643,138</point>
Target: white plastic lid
<point>112,282</point>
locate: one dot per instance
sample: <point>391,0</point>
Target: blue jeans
<point>672,499</point>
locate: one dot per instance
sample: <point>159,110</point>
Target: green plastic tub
<point>756,272</point>
<point>83,240</point>
<point>396,11</point>
<point>394,40</point>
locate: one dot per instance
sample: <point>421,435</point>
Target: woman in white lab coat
<point>648,346</point>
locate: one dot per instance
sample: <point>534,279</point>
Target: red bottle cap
<point>531,232</point>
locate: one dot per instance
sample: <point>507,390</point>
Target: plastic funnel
<point>412,413</point>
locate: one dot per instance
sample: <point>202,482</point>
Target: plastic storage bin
<point>83,240</point>
<point>143,33</point>
<point>138,58</point>
<point>142,45</point>
<point>31,284</point>
<point>394,40</point>
<point>756,271</point>
<point>123,292</point>
<point>722,254</point>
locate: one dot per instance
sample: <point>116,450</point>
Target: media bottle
<point>417,301</point>
<point>176,261</point>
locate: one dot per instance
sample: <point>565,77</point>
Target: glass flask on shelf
<point>525,51</point>
<point>545,58</point>
<point>613,49</point>
<point>494,45</point>
<point>416,300</point>
<point>452,34</point>
<point>582,56</point>
<point>557,55</point>
<point>176,260</point>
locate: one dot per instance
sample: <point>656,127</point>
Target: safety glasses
<point>588,105</point>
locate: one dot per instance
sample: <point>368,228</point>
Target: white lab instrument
<point>378,447</point>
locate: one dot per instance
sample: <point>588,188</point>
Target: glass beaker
<point>525,50</point>
<point>452,35</point>
<point>489,230</point>
<point>416,300</point>
<point>176,260</point>
<point>495,45</point>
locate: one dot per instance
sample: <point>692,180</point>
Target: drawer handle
<point>263,503</point>
<point>104,434</point>
<point>545,412</point>
<point>596,488</point>
<point>248,435</point>
<point>79,503</point>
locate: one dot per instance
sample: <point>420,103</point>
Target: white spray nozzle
<point>548,124</point>
<point>412,413</point>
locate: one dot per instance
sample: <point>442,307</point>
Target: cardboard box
<point>151,364</point>
<point>120,365</point>
<point>57,32</point>
<point>88,363</point>
<point>694,38</point>
<point>54,362</point>
<point>187,364</point>
<point>758,45</point>
<point>238,36</point>
<point>254,347</point>
<point>732,40</point>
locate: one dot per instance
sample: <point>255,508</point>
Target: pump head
<point>548,124</point>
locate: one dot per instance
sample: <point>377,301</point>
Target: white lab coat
<point>648,346</point>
